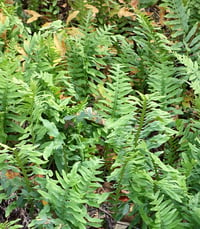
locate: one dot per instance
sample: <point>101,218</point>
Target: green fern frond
<point>151,47</point>
<point>178,17</point>
<point>9,100</point>
<point>150,42</point>
<point>166,213</point>
<point>179,21</point>
<point>194,7</point>
<point>77,189</point>
<point>162,81</point>
<point>115,100</point>
<point>88,57</point>
<point>154,124</point>
<point>191,41</point>
<point>192,71</point>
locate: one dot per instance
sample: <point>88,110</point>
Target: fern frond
<point>114,101</point>
<point>151,46</point>
<point>9,100</point>
<point>77,189</point>
<point>179,22</point>
<point>166,213</point>
<point>194,7</point>
<point>162,81</point>
<point>192,71</point>
<point>150,42</point>
<point>88,57</point>
<point>153,123</point>
<point>191,41</point>
<point>178,17</point>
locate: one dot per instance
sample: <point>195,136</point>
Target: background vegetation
<point>99,112</point>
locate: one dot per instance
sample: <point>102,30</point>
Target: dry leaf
<point>9,2</point>
<point>64,5</point>
<point>162,13</point>
<point>60,45</point>
<point>113,51</point>
<point>34,15</point>
<point>57,61</point>
<point>44,202</point>
<point>93,9</point>
<point>121,225</point>
<point>134,4</point>
<point>124,12</point>
<point>2,18</point>
<point>72,16</point>
<point>46,24</point>
<point>63,96</point>
<point>73,31</point>
<point>10,174</point>
<point>21,51</point>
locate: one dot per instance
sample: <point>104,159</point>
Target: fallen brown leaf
<point>34,15</point>
<point>72,16</point>
<point>124,12</point>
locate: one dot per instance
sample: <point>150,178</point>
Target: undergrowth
<point>108,93</point>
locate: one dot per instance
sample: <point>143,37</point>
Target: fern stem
<point>137,135</point>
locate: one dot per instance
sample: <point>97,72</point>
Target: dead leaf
<point>121,225</point>
<point>162,13</point>
<point>21,51</point>
<point>64,5</point>
<point>93,9</point>
<point>46,24</point>
<point>2,18</point>
<point>124,12</point>
<point>123,198</point>
<point>113,51</point>
<point>72,16</point>
<point>44,202</point>
<point>10,174</point>
<point>60,45</point>
<point>121,1</point>
<point>73,31</point>
<point>9,2</point>
<point>134,4</point>
<point>34,16</point>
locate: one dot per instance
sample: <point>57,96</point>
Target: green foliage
<point>110,96</point>
<point>76,189</point>
<point>185,32</point>
<point>162,81</point>
<point>115,101</point>
<point>9,225</point>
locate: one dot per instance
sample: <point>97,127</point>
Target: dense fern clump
<point>108,97</point>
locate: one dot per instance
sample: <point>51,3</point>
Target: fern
<point>194,7</point>
<point>162,80</point>
<point>187,35</point>
<point>88,57</point>
<point>153,123</point>
<point>10,225</point>
<point>191,70</point>
<point>179,17</point>
<point>23,165</point>
<point>9,97</point>
<point>114,101</point>
<point>76,189</point>
<point>166,214</point>
<point>150,183</point>
<point>151,47</point>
